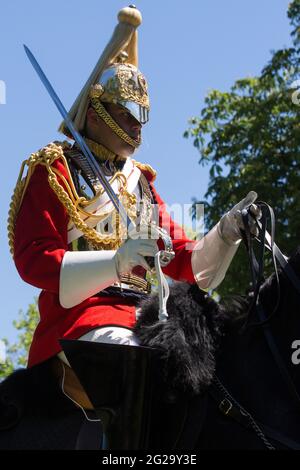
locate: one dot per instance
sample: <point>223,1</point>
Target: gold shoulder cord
<point>70,199</point>
<point>145,167</point>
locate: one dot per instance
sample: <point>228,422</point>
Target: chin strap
<point>106,117</point>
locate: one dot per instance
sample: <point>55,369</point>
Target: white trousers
<point>109,335</point>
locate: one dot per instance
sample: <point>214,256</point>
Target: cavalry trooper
<point>67,237</point>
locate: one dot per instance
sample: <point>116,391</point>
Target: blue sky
<point>186,49</point>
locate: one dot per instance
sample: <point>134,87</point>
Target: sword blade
<point>79,139</point>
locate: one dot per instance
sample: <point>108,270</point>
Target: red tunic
<point>40,244</point>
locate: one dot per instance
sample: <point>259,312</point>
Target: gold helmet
<point>115,79</point>
<point>124,84</point>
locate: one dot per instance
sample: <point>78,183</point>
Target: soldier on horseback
<point>67,237</point>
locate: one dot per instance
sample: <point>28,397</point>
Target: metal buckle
<point>225,406</point>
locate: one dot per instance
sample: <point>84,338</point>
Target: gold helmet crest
<point>115,79</point>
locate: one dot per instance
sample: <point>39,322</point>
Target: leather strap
<point>229,407</point>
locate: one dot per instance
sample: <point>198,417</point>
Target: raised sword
<point>79,140</point>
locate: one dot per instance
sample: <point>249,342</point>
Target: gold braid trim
<point>103,114</point>
<point>22,183</point>
<point>69,198</point>
<point>96,239</point>
<point>15,203</point>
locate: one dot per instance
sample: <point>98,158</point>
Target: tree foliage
<point>250,138</point>
<point>17,353</point>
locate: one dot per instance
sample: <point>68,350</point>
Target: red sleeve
<point>40,233</point>
<point>180,268</point>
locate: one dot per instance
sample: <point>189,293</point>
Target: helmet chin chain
<point>106,117</point>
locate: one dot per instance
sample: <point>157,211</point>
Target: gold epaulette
<point>45,156</point>
<point>145,168</point>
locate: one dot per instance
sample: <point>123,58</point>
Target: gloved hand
<point>132,253</point>
<point>231,223</point>
<point>85,273</point>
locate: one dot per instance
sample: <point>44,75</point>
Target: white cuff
<point>211,257</point>
<point>84,274</point>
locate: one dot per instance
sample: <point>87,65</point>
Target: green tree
<point>17,353</point>
<point>250,138</point>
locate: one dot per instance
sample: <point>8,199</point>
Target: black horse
<point>236,376</point>
<point>223,387</point>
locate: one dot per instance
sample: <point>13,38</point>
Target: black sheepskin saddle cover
<point>188,340</point>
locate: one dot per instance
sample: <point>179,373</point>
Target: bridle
<point>227,404</point>
<point>256,267</point>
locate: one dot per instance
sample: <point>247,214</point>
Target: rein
<point>226,403</point>
<point>256,267</point>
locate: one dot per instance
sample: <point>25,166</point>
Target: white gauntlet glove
<point>85,273</point>
<point>231,223</point>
